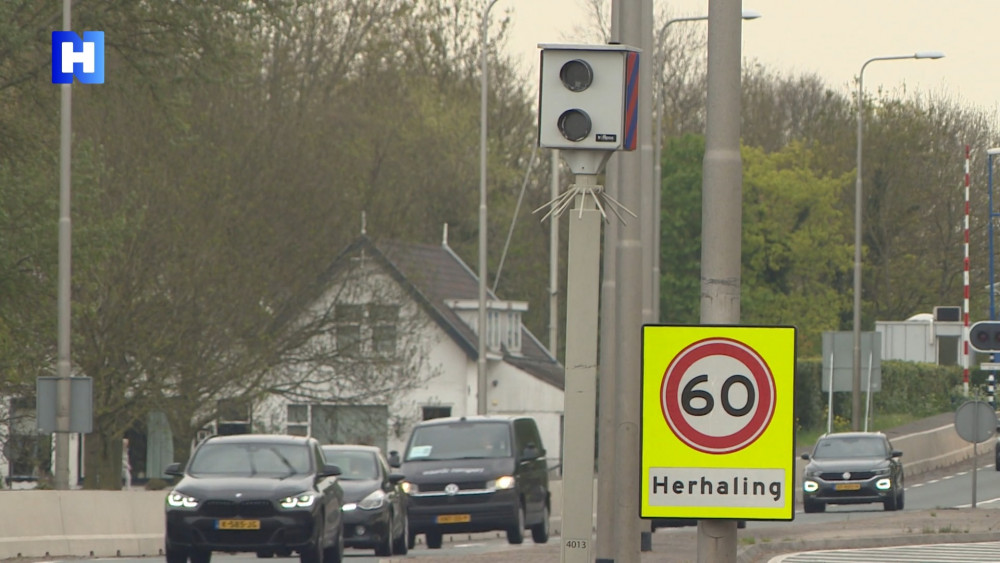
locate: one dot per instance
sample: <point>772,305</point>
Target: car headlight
<point>409,488</point>
<point>810,486</point>
<point>375,500</point>
<point>883,484</point>
<point>883,471</point>
<point>813,473</point>
<point>501,483</point>
<point>180,500</point>
<point>304,500</point>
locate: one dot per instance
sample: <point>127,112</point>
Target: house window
<point>436,411</point>
<point>349,318</point>
<point>298,420</point>
<point>383,319</point>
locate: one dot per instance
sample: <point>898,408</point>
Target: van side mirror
<point>531,451</point>
<point>394,460</point>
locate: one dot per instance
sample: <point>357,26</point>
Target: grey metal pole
<point>554,259</point>
<point>607,469</point>
<point>606,463</point>
<point>481,361</point>
<point>628,315</point>
<point>722,197</point>
<point>63,365</point>
<point>582,293</point>
<point>856,334</point>
<point>648,308</point>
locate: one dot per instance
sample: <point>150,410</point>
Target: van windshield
<point>461,440</point>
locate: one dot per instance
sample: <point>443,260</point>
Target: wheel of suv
<point>515,534</point>
<point>813,506</point>
<point>175,554</point>
<point>540,531</point>
<point>400,544</point>
<point>433,540</point>
<point>335,553</point>
<point>313,553</point>
<point>890,503</point>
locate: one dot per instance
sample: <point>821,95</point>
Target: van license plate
<point>453,518</point>
<point>238,525</point>
<point>848,487</point>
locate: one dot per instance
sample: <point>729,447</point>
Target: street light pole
<point>653,244</point>
<point>856,373</point>
<point>990,153</point>
<point>481,361</point>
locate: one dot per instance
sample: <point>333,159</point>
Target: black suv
<point>477,474</point>
<point>269,494</point>
<point>853,468</point>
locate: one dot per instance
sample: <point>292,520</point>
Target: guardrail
<point>37,523</point>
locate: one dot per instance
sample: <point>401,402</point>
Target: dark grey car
<point>269,494</point>
<point>374,503</point>
<point>853,468</point>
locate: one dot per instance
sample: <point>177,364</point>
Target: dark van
<point>477,474</point>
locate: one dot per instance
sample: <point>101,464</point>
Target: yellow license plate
<point>453,518</point>
<point>238,524</point>
<point>848,487</point>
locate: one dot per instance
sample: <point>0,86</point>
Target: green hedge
<point>914,388</point>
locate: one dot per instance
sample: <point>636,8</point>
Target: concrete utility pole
<point>628,310</point>
<point>63,364</point>
<point>722,196</point>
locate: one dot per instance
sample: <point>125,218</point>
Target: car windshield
<point>460,440</point>
<point>850,446</point>
<point>355,465</point>
<point>250,459</point>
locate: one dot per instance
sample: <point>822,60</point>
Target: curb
<point>752,554</point>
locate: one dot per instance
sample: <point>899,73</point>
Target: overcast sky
<point>830,39</point>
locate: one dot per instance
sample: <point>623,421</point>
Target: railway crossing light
<point>984,336</point>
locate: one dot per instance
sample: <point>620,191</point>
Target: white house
<point>404,349</point>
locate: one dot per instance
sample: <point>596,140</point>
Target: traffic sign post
<point>717,431</point>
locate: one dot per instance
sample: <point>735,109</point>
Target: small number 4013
<point>576,544</point>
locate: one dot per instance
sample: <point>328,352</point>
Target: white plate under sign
<point>989,366</point>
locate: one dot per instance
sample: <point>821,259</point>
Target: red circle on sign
<point>670,396</point>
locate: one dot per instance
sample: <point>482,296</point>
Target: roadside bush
<point>913,388</point>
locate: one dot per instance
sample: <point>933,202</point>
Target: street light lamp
<point>856,380</point>
<point>481,361</point>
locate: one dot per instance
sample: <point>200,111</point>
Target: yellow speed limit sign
<point>718,423</point>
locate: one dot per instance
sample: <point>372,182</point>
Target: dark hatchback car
<point>374,504</point>
<point>269,494</point>
<point>477,474</point>
<point>853,468</point>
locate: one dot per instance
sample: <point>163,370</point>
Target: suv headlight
<point>375,500</point>
<point>304,500</point>
<point>501,483</point>
<point>409,488</point>
<point>180,500</point>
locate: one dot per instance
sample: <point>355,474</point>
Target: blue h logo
<point>72,56</point>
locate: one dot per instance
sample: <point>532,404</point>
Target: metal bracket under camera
<point>602,200</point>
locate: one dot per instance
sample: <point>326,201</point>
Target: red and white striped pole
<point>965,290</point>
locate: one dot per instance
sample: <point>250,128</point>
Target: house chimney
<point>444,235</point>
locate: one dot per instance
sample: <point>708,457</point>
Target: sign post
<point>718,427</point>
<point>975,421</point>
